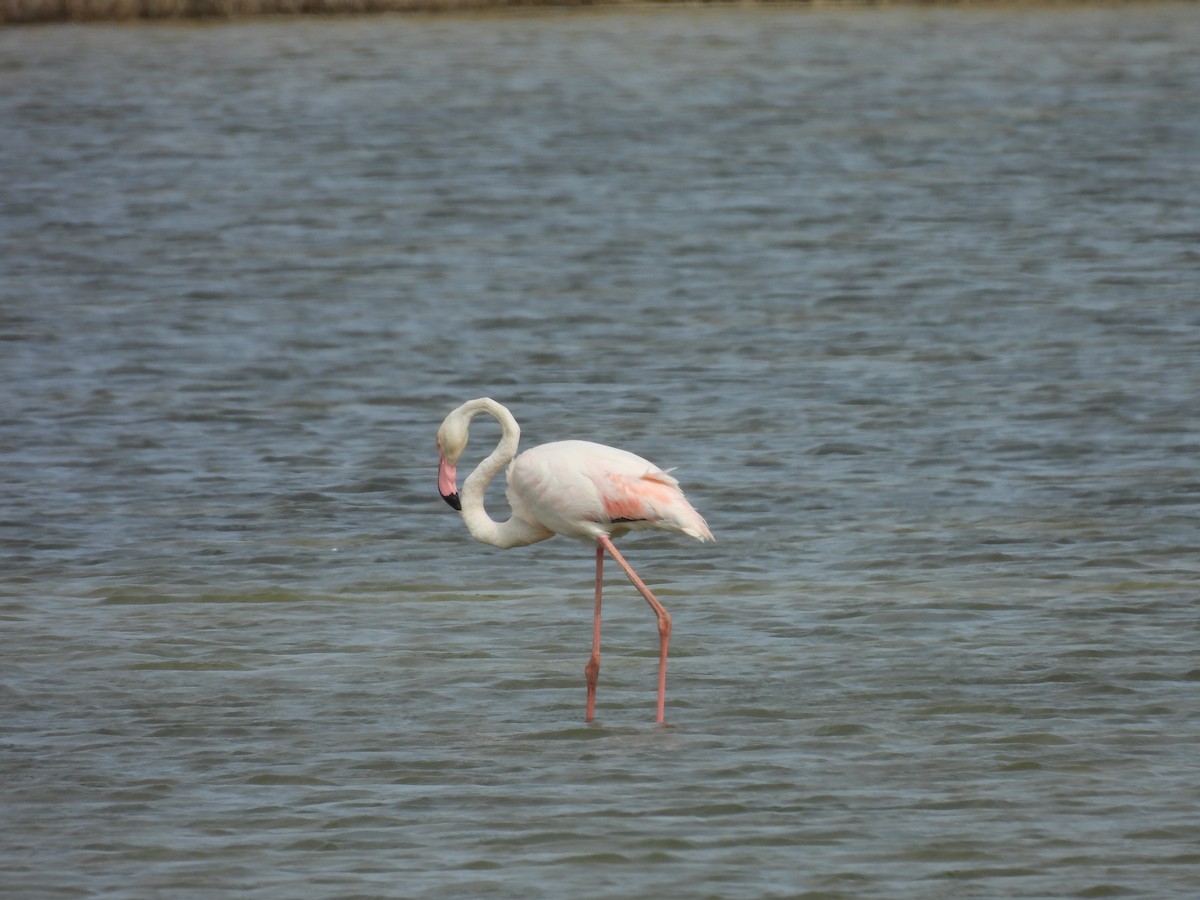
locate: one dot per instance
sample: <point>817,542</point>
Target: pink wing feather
<point>637,496</point>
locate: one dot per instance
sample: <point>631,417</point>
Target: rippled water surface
<point>909,297</point>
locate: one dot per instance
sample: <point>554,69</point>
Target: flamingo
<point>576,488</point>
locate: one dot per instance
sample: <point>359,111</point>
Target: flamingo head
<point>451,441</point>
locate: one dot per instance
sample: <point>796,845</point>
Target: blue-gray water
<point>911,299</point>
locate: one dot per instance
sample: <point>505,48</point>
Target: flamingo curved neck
<point>514,532</point>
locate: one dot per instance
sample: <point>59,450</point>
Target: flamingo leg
<point>664,619</point>
<point>592,670</point>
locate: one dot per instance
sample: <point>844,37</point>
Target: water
<point>909,297</point>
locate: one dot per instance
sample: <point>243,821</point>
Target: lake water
<point>910,298</point>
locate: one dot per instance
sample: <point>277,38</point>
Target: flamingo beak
<point>448,483</point>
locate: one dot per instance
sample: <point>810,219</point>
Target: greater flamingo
<point>576,488</point>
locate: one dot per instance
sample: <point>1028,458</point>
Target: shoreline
<point>27,12</point>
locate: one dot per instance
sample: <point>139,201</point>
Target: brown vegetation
<point>18,11</point>
<point>23,11</point>
<point>14,11</point>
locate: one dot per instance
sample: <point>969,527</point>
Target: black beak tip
<point>453,500</point>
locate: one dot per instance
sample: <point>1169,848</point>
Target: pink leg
<point>592,670</point>
<point>664,620</point>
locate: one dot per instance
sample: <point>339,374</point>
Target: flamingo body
<point>577,488</point>
<point>583,489</point>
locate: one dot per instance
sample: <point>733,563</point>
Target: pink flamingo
<point>576,488</point>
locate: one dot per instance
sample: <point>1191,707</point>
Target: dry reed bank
<point>25,11</point>
<point>18,11</point>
